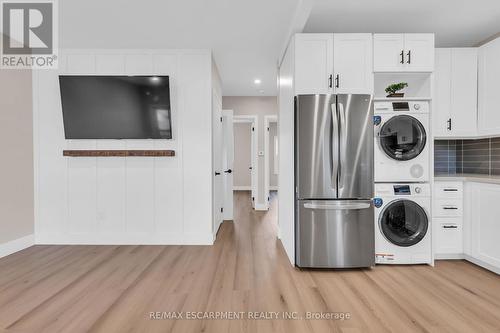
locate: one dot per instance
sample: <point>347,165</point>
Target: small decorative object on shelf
<point>393,89</point>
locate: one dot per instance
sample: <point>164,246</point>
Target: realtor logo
<point>29,34</point>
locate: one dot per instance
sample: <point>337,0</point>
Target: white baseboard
<point>16,245</point>
<point>261,206</point>
<point>482,264</point>
<point>453,256</point>
<point>242,188</point>
<point>125,239</point>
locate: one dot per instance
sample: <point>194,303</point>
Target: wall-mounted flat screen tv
<point>116,107</point>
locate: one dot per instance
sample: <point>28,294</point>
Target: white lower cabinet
<point>449,237</point>
<point>485,223</point>
<point>448,220</point>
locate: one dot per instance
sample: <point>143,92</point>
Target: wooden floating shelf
<point>118,153</point>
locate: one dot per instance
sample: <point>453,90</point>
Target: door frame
<point>267,122</point>
<point>228,214</point>
<point>253,120</point>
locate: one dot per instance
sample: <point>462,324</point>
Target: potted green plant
<point>393,89</point>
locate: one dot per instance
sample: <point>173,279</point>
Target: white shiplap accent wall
<point>132,200</point>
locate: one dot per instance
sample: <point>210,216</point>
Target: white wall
<point>259,106</point>
<point>133,200</point>
<point>286,181</point>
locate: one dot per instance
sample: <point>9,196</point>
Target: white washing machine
<point>402,141</point>
<point>403,224</point>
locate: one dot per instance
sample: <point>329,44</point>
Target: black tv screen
<point>116,107</point>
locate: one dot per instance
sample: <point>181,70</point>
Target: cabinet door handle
<point>449,125</point>
<point>409,57</point>
<point>337,81</point>
<point>450,189</point>
<point>450,208</point>
<point>402,54</point>
<point>330,81</point>
<point>450,227</point>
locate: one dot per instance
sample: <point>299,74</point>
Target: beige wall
<point>16,145</point>
<point>242,153</point>
<point>259,106</point>
<point>273,132</point>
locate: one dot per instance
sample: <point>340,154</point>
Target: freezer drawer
<point>335,234</point>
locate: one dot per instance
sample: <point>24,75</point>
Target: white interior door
<point>228,162</point>
<point>254,166</point>
<point>218,191</point>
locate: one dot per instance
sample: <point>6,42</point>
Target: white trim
<point>16,245</point>
<point>483,264</point>
<point>254,121</point>
<point>451,256</point>
<point>242,188</point>
<point>126,239</point>
<point>273,188</point>
<point>267,122</point>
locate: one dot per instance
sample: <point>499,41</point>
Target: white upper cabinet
<point>353,63</point>
<point>455,95</point>
<point>403,52</point>
<point>333,63</point>
<point>419,52</point>
<point>313,64</point>
<point>489,88</point>
<point>388,52</point>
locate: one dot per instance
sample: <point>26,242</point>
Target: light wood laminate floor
<point>114,288</point>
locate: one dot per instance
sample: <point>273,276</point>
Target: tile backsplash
<point>481,156</point>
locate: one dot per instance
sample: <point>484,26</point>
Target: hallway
<point>116,288</point>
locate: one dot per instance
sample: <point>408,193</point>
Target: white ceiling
<point>455,22</point>
<point>246,36</point>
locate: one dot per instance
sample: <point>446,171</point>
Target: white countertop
<point>467,177</point>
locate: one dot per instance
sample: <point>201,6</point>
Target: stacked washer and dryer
<point>402,189</point>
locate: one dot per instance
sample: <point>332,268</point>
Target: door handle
<point>339,205</point>
<point>342,143</point>
<point>217,173</point>
<point>450,227</point>
<point>449,125</point>
<point>450,208</point>
<point>337,81</point>
<point>228,171</point>
<point>334,150</point>
<point>330,81</point>
<point>250,168</point>
<point>409,57</point>
<point>402,54</point>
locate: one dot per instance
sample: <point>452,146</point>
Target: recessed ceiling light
<point>257,81</point>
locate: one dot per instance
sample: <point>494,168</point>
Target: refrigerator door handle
<point>338,205</point>
<point>335,145</point>
<point>342,143</point>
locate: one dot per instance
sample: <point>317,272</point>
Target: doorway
<point>271,157</point>
<point>246,168</point>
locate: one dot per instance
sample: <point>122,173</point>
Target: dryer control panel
<point>402,106</point>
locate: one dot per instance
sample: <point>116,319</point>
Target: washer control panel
<point>406,106</point>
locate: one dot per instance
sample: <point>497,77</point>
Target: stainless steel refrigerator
<point>334,223</point>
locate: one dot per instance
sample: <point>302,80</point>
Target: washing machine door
<point>402,137</point>
<point>403,223</point>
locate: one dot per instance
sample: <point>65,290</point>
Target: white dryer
<point>402,141</point>
<point>403,224</point>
